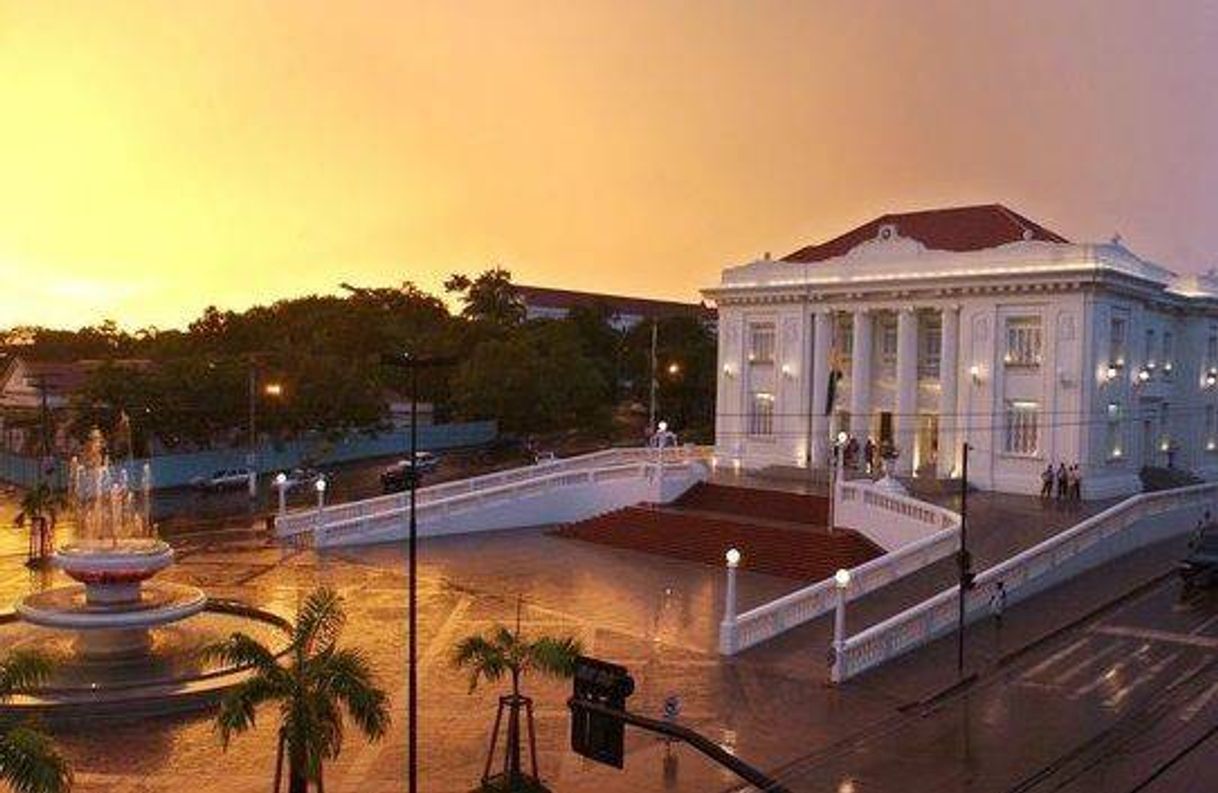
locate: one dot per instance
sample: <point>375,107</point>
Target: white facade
<point>1034,352</point>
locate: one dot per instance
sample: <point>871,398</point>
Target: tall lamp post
<point>413,363</point>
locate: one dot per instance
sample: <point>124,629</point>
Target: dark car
<point>1200,567</point>
<point>224,479</point>
<point>396,477</point>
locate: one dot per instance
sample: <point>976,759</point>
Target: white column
<point>907,389</point>
<point>841,580</point>
<point>860,376</point>
<point>949,409</point>
<point>821,340</point>
<point>727,627</point>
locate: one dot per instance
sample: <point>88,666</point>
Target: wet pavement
<point>771,705</point>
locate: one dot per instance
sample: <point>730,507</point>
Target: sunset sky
<point>157,157</point>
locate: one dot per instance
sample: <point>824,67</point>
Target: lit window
<point>761,414</point>
<point>761,342</point>
<point>1023,341</point>
<point>1022,428</point>
<point>888,343</point>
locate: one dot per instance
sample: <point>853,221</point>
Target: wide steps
<point>751,502</point>
<point>799,553</point>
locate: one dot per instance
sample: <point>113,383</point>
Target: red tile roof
<point>544,297</point>
<point>957,229</point>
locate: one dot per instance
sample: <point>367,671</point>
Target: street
<point>1127,701</point>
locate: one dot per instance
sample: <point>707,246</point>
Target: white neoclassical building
<point>929,329</point>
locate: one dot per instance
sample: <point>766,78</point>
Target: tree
<point>40,508</point>
<point>536,379</point>
<point>489,298</point>
<point>312,686</point>
<point>686,372</point>
<point>29,761</point>
<point>504,652</point>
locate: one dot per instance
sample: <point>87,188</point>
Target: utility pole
<point>251,458</point>
<point>412,363</point>
<point>651,414</point>
<point>966,575</point>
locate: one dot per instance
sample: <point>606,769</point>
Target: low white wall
<point>889,519</point>
<point>1121,529</point>
<point>556,499</point>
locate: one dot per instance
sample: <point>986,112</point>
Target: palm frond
<point>29,763</point>
<point>244,651</point>
<point>481,657</point>
<point>347,675</point>
<point>238,708</point>
<point>22,669</point>
<point>554,655</point>
<point>319,621</point>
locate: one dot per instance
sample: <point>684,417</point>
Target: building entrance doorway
<point>926,451</point>
<point>885,438</point>
<point>1148,442</point>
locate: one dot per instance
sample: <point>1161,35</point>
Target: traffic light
<point>599,736</point>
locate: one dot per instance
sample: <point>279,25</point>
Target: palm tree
<point>502,651</point>
<point>40,507</point>
<point>312,684</point>
<point>29,762</point>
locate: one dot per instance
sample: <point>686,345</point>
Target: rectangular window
<point>1149,353</point>
<point>1023,341</point>
<point>1116,341</point>
<point>843,340</point>
<point>761,414</point>
<point>1022,428</point>
<point>761,342</point>
<point>930,351</point>
<point>888,343</point>
<point>1211,351</point>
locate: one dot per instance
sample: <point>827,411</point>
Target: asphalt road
<point>1127,701</point>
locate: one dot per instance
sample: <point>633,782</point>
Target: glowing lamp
<point>733,557</point>
<point>842,578</point>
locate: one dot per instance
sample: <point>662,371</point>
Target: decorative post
<point>727,628</point>
<point>320,486</point>
<point>841,580</point>
<point>281,482</point>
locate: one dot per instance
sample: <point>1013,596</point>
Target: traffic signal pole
<point>697,741</point>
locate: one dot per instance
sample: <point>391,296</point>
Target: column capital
<point>908,308</point>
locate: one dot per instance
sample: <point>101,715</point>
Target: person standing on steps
<point>1046,482</point>
<point>1063,481</point>
<point>998,603</point>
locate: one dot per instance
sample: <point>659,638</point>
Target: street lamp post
<point>412,363</point>
<point>727,628</point>
<point>836,470</point>
<point>841,580</point>
<point>281,482</point>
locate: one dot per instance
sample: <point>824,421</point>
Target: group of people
<point>867,458</point>
<point>1066,482</point>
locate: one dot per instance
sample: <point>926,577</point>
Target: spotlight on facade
<point>974,372</point>
<point>1164,446</point>
<point>1167,366</point>
<point>1144,374</point>
<point>1112,372</point>
<point>1211,378</point>
<point>1116,453</point>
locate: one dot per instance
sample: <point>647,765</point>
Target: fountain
<point>116,633</point>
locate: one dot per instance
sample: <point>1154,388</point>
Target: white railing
<point>771,619</point>
<point>888,518</point>
<point>307,520</point>
<point>390,522</point>
<point>1116,531</point>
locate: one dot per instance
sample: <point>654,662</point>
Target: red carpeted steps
<point>799,551</point>
<point>751,502</point>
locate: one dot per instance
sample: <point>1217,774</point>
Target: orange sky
<point>156,157</point>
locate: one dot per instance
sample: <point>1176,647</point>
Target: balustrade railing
<point>309,519</point>
<point>1107,535</point>
<point>771,619</point>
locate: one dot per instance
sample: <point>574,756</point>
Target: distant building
<point>624,312</point>
<point>926,330</point>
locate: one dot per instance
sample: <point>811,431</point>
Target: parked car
<point>544,457</point>
<point>1200,568</point>
<point>224,479</point>
<point>396,477</point>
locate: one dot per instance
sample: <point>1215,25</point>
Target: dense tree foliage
<point>191,388</point>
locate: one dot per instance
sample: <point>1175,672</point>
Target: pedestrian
<point>852,452</point>
<point>1046,482</point>
<point>1063,481</point>
<point>998,603</point>
<point>1076,483</point>
<point>869,455</point>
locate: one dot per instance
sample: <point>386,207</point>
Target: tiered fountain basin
<point>113,607</point>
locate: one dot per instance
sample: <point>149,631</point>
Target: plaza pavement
<point>659,617</point>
